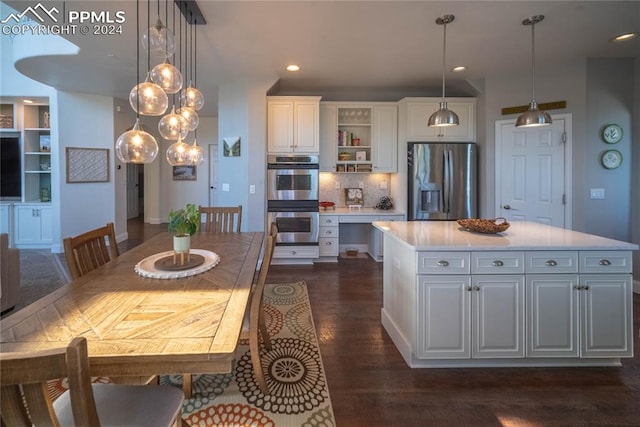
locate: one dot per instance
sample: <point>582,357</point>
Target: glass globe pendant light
<point>157,39</point>
<point>444,117</point>
<point>195,154</point>
<point>191,96</point>
<point>533,117</point>
<point>168,77</point>
<point>172,126</point>
<point>136,145</point>
<point>178,153</point>
<point>191,118</point>
<point>148,99</point>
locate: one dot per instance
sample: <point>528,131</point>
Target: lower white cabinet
<point>33,225</point>
<point>462,317</point>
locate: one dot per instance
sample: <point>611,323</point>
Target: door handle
<point>507,207</point>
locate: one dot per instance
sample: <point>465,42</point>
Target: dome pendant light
<point>148,99</point>
<point>168,77</point>
<point>195,154</point>
<point>444,117</point>
<point>136,145</point>
<point>533,117</point>
<point>172,126</point>
<point>178,153</point>
<point>191,118</point>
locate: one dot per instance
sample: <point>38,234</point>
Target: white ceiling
<point>375,49</point>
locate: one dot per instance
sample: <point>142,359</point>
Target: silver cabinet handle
<point>605,262</point>
<point>328,231</point>
<point>476,288</point>
<point>576,287</point>
<point>293,252</point>
<point>586,288</point>
<point>497,263</point>
<point>443,263</point>
<point>328,243</point>
<point>469,288</point>
<point>551,263</point>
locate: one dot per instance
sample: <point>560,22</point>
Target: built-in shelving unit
<point>37,154</point>
<point>354,139</point>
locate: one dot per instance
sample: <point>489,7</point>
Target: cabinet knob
<point>476,288</point>
<point>576,287</point>
<point>328,243</point>
<point>586,288</point>
<point>551,263</point>
<point>328,231</point>
<point>605,262</point>
<point>497,263</point>
<point>443,263</point>
<point>469,288</point>
<point>293,252</point>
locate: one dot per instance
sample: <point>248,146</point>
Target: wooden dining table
<point>140,326</point>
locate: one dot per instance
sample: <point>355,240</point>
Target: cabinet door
<point>385,139</point>
<point>280,126</point>
<point>328,137</point>
<point>4,219</point>
<point>306,127</point>
<point>444,317</point>
<point>46,224</point>
<point>417,118</point>
<point>552,315</point>
<point>27,225</point>
<point>606,304</point>
<point>497,305</point>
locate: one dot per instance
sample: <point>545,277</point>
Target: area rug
<point>293,369</point>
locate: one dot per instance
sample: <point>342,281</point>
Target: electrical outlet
<point>360,184</point>
<point>597,193</point>
<point>336,185</point>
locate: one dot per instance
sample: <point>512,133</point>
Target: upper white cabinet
<point>293,124</point>
<point>359,137</point>
<point>420,109</point>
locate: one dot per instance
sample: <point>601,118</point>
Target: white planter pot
<point>181,243</point>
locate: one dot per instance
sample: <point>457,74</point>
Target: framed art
<point>87,165</point>
<point>354,196</point>
<point>184,173</point>
<point>231,146</point>
<point>612,134</point>
<point>611,159</point>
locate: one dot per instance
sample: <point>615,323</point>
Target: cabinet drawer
<point>330,220</point>
<point>329,231</point>
<point>358,218</point>
<point>551,262</point>
<point>443,262</point>
<point>391,218</point>
<point>328,246</point>
<point>296,252</point>
<point>605,261</point>
<point>507,262</point>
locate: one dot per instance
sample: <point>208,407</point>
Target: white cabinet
<point>293,124</point>
<point>328,129</point>
<point>419,110</point>
<point>359,137</point>
<point>33,225</point>
<point>328,242</point>
<point>5,219</point>
<point>384,139</point>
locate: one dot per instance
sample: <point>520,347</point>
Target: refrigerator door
<point>426,187</point>
<point>462,200</point>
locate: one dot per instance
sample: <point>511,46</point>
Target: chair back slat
<point>89,250</point>
<point>221,219</point>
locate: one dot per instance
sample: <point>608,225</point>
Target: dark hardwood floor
<point>371,385</point>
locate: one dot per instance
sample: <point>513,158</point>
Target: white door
<point>532,172</point>
<point>133,187</point>
<point>213,174</point>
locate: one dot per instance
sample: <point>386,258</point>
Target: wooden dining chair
<point>257,323</point>
<point>222,219</point>
<point>26,400</point>
<point>89,250</point>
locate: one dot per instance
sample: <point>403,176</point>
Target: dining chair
<point>221,219</point>
<point>89,250</point>
<point>26,400</point>
<point>257,324</point>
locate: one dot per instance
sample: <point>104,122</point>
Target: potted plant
<point>184,222</point>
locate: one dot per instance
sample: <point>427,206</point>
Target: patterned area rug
<point>293,368</point>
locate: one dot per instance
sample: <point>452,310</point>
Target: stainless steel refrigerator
<point>442,181</point>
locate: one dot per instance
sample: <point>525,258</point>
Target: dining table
<point>140,325</point>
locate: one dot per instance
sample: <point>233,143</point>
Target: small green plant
<point>185,222</point>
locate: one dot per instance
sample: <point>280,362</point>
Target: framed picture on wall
<point>184,173</point>
<point>87,165</point>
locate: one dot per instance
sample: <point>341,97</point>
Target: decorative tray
<point>487,226</point>
<point>155,266</point>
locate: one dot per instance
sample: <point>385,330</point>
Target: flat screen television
<point>10,173</point>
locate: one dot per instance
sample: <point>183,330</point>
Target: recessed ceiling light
<point>458,68</point>
<point>27,101</point>
<point>293,67</point>
<point>624,37</point>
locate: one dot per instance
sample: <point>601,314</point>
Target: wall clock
<point>611,159</point>
<point>612,134</point>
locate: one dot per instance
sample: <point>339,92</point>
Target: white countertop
<point>360,211</point>
<point>449,236</point>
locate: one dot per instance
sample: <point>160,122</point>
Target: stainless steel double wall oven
<point>292,198</point>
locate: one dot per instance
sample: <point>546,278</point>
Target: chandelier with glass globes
<point>151,97</point>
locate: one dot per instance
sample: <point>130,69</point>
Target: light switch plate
<point>597,193</point>
<point>252,189</point>
<point>225,187</point>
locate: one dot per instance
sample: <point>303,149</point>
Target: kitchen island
<point>533,295</point>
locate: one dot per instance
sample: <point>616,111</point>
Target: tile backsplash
<point>371,184</point>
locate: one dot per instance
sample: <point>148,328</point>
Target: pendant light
<point>178,153</point>
<point>190,116</point>
<point>533,117</point>
<point>195,154</point>
<point>168,77</point>
<point>136,145</point>
<point>444,117</point>
<point>158,40</point>
<point>191,96</point>
<point>172,126</point>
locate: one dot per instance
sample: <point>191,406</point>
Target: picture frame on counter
<point>354,197</point>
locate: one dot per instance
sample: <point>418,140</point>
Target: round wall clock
<point>611,159</point>
<point>612,134</point>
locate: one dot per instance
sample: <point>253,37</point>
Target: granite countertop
<point>449,236</point>
<point>360,211</point>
